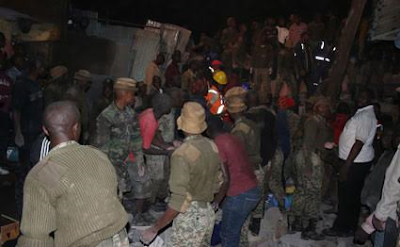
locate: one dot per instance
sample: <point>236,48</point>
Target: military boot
<point>310,232</point>
<point>295,225</point>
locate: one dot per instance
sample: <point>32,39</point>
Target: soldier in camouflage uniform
<point>195,178</point>
<point>309,171</point>
<point>249,134</point>
<point>167,132</point>
<point>99,105</point>
<point>77,93</point>
<point>118,135</point>
<point>57,85</point>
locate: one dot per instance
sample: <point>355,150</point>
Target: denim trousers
<point>236,210</point>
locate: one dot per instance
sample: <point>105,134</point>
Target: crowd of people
<point>240,118</point>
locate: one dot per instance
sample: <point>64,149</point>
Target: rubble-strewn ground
<point>273,234</point>
<point>273,226</point>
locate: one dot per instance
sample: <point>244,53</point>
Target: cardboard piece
<point>9,232</point>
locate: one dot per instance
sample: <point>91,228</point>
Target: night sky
<point>207,15</point>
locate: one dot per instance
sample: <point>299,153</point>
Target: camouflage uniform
<point>167,130</point>
<point>195,178</point>
<point>54,91</point>
<point>309,169</point>
<point>118,240</point>
<point>156,170</point>
<point>193,228</point>
<point>118,135</point>
<point>76,94</point>
<point>263,57</point>
<point>98,106</point>
<point>275,175</point>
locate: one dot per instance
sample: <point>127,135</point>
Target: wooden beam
<point>332,85</point>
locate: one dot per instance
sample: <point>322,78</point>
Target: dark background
<point>208,15</point>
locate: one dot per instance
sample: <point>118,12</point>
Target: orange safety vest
<point>215,101</point>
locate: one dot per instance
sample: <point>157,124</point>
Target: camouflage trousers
<point>193,228</point>
<point>258,212</point>
<point>307,198</point>
<point>261,77</point>
<point>140,182</point>
<point>124,183</point>
<point>275,175</point>
<point>157,167</point>
<point>118,240</point>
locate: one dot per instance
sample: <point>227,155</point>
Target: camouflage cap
<point>125,84</point>
<point>236,92</point>
<point>192,119</point>
<point>82,75</point>
<point>235,99</point>
<point>58,71</point>
<point>321,101</point>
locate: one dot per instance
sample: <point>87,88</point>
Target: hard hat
<point>220,77</point>
<point>216,63</point>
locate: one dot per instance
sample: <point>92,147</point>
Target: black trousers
<point>5,125</point>
<point>349,193</point>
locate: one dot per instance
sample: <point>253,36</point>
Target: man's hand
<point>360,236</point>
<point>148,235</point>
<point>378,224</point>
<point>343,172</point>
<point>19,139</point>
<point>329,145</point>
<point>177,143</point>
<point>171,148</point>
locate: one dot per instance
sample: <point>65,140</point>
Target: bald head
<point>62,119</point>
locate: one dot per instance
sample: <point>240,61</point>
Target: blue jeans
<point>388,237</point>
<point>236,209</point>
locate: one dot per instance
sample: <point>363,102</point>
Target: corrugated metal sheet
<point>173,37</point>
<point>386,23</point>
<point>146,46</point>
<point>135,48</point>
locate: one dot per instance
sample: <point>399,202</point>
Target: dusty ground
<point>273,234</point>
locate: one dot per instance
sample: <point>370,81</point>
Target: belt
<point>201,204</point>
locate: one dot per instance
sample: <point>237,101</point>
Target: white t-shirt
<point>362,126</point>
<point>283,33</point>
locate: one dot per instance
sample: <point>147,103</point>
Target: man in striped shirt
<point>40,149</point>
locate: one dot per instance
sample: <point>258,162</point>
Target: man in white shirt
<point>283,32</point>
<point>356,152</point>
<point>385,217</point>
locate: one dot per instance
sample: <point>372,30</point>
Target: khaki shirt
<point>249,134</point>
<point>195,173</point>
<point>187,80</point>
<point>263,56</point>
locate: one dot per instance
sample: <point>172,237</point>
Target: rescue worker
<point>309,172</point>
<point>322,60</point>
<point>216,65</point>
<point>195,178</point>
<point>118,136</point>
<point>215,100</point>
<point>57,85</point>
<point>263,59</point>
<point>304,62</point>
<point>77,93</point>
<point>249,133</point>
